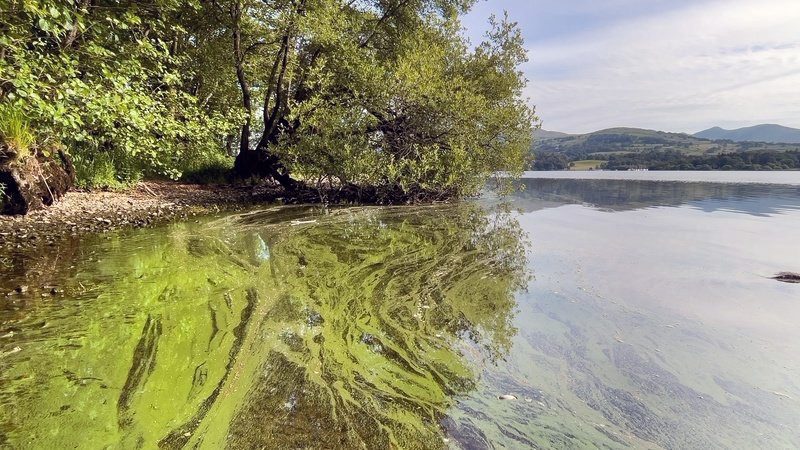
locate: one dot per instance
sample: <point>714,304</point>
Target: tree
<point>329,92</point>
<point>382,92</point>
<point>551,161</point>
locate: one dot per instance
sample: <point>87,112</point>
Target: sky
<point>674,65</point>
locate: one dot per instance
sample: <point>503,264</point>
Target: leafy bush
<point>107,84</point>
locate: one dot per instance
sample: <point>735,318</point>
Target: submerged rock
<point>787,277</point>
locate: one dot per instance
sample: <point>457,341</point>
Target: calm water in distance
<point>617,313</point>
<point>768,177</point>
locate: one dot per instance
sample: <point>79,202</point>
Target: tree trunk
<point>261,162</point>
<point>238,54</point>
<point>34,182</point>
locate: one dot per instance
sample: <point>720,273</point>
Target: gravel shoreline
<point>148,203</point>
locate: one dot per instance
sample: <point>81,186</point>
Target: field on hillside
<point>586,164</point>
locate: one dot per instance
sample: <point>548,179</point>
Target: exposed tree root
<point>35,181</point>
<point>390,194</point>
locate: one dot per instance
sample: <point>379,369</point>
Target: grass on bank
<point>16,136</point>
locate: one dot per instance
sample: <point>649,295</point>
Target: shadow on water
<point>628,195</point>
<point>288,328</point>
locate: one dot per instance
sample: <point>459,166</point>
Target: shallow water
<point>618,314</point>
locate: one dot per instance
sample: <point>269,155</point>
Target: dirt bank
<point>149,203</point>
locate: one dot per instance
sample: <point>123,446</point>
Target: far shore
<point>786,177</point>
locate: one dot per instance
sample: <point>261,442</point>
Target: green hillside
<point>637,140</point>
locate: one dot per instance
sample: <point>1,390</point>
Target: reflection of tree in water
<point>356,330</point>
<point>364,344</point>
<point>624,195</point>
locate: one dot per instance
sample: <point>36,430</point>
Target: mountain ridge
<point>637,140</point>
<point>768,132</point>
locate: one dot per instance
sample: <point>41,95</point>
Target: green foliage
<point>551,161</point>
<point>426,111</point>
<point>372,92</point>
<point>102,80</point>
<point>754,160</point>
<point>16,137</point>
<point>101,171</point>
<point>210,171</point>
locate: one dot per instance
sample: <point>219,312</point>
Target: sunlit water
<point>616,313</point>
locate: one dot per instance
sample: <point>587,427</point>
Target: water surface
<point>619,314</point>
<point>697,176</point>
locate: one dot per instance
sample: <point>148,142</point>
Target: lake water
<point>573,314</point>
<point>758,177</point>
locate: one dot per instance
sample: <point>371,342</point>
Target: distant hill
<point>600,144</point>
<point>759,133</point>
<point>545,134</point>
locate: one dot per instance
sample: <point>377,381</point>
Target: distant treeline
<point>583,147</point>
<point>671,160</point>
<point>550,161</point>
<point>674,160</point>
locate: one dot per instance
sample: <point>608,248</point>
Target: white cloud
<point>729,63</point>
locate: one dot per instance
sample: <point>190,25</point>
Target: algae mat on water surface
<point>287,327</point>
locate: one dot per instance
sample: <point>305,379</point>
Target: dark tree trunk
<point>34,182</point>
<point>238,54</point>
<point>260,161</point>
<point>264,164</point>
